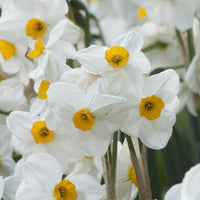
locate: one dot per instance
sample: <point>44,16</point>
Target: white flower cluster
<point>63,118</point>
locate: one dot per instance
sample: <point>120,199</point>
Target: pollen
<point>37,51</point>
<point>132,175</point>
<point>35,28</point>
<point>142,13</point>
<point>83,119</point>
<point>41,133</point>
<point>117,56</point>
<point>42,91</point>
<point>151,107</point>
<point>65,190</point>
<point>7,49</point>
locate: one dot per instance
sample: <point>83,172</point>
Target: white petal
<point>174,193</point>
<point>87,187</point>
<point>131,41</point>
<point>164,85</point>
<point>42,170</point>
<point>156,133</point>
<point>93,58</point>
<point>190,185</point>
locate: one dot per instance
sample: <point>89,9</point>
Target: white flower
<point>178,13</point>
<point>188,189</point>
<point>36,16</point>
<point>126,182</point>
<point>88,117</point>
<point>166,54</point>
<point>153,112</point>
<point>42,179</point>
<point>122,64</point>
<point>32,135</point>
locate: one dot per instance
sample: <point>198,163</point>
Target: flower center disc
<point>7,49</point>
<point>117,56</point>
<point>83,120</point>
<point>151,107</point>
<point>41,133</point>
<point>35,28</point>
<point>65,190</point>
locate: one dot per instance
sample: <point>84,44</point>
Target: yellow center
<point>7,49</point>
<point>117,56</point>
<point>151,107</point>
<point>141,13</point>
<point>42,91</point>
<point>41,133</point>
<point>0,160</point>
<point>132,175</point>
<point>35,28</point>
<point>83,119</point>
<point>65,190</point>
<point>37,51</point>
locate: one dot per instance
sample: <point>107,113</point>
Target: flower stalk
<point>109,163</point>
<point>138,158</point>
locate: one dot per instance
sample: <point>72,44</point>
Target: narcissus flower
<point>88,117</point>
<point>178,13</point>
<point>154,112</point>
<point>42,179</point>
<point>126,181</point>
<point>122,64</point>
<point>31,135</point>
<point>188,189</point>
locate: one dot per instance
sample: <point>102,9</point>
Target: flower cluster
<point>63,103</point>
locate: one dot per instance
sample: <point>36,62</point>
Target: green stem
<point>114,155</point>
<point>108,178</point>
<point>70,10</point>
<point>180,40</point>
<point>175,67</point>
<point>190,40</point>
<point>141,170</point>
<point>154,45</point>
<point>4,113</point>
<point>99,28</point>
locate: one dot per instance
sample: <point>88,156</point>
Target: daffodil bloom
<point>126,182</point>
<point>42,179</point>
<point>154,112</point>
<point>188,189</point>
<point>31,135</point>
<point>88,117</point>
<point>37,20</point>
<point>177,13</point>
<point>167,54</point>
<point>13,60</point>
<point>122,64</point>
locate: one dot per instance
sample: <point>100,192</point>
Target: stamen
<point>151,107</point>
